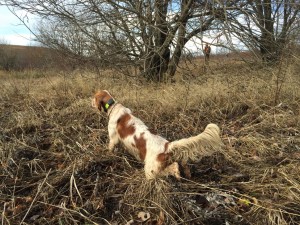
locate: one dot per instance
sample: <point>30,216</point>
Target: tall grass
<point>55,167</point>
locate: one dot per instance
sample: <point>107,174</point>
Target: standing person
<point>207,52</point>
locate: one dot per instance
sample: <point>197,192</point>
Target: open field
<point>55,167</point>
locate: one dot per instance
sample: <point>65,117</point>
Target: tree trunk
<point>156,66</point>
<point>178,51</point>
<point>158,58</point>
<point>267,39</point>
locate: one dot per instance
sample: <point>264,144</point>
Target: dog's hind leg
<point>172,170</point>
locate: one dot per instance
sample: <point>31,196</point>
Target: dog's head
<point>102,100</point>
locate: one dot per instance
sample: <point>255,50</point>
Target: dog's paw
<point>111,147</point>
<point>175,171</point>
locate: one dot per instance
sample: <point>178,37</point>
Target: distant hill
<point>16,57</point>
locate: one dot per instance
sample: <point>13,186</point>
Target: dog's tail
<point>204,144</point>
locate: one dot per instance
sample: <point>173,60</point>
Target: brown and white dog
<point>155,151</point>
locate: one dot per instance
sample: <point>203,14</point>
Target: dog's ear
<point>96,100</point>
<point>96,104</point>
<point>100,98</point>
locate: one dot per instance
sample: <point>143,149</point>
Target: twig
<point>38,191</point>
<point>76,212</point>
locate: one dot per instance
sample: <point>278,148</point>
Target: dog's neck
<point>109,106</point>
<point>106,106</point>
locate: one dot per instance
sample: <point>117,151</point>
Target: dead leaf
<point>144,216</point>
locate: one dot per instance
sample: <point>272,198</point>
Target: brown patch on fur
<point>163,158</point>
<point>166,146</point>
<point>123,128</point>
<point>152,131</point>
<point>101,98</point>
<point>140,144</point>
<point>185,170</point>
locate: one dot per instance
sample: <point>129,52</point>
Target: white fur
<point>154,143</point>
<point>188,148</point>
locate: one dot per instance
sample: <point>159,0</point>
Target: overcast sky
<point>14,33</point>
<point>11,30</point>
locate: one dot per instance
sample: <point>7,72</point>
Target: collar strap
<point>109,103</point>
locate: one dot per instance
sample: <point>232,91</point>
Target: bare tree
<point>149,34</point>
<point>267,25</point>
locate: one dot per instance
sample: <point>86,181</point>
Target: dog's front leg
<point>113,140</point>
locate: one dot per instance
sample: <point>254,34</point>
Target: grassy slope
<point>55,167</point>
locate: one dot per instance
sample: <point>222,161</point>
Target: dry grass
<point>55,168</point>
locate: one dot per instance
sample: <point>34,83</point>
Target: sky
<point>12,31</point>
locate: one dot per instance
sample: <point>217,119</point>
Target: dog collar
<point>109,103</point>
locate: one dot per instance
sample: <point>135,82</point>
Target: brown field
<point>55,167</point>
<point>16,57</point>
